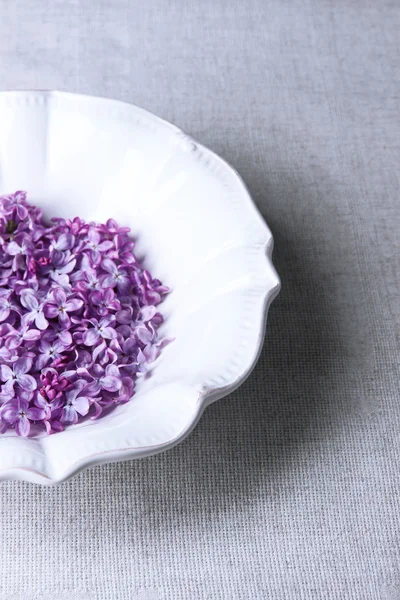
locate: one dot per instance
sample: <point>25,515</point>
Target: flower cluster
<point>78,318</point>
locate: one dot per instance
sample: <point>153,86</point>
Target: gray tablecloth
<point>289,488</point>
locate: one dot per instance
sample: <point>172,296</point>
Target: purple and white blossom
<point>78,318</point>
<point>58,306</point>
<point>34,306</point>
<point>17,374</point>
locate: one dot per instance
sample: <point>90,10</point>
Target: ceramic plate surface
<point>198,231</point>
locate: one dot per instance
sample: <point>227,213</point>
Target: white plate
<point>199,232</point>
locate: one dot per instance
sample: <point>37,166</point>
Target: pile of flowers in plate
<point>78,318</point>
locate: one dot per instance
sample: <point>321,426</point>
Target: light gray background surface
<point>289,488</point>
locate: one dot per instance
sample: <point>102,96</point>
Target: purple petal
<point>151,352</point>
<point>8,387</point>
<point>110,383</point>
<point>108,281</point>
<point>13,248</point>
<point>109,333</point>
<point>4,313</point>
<point>123,284</point>
<point>58,346</point>
<point>69,415</point>
<point>53,426</point>
<point>97,371</point>
<point>109,266</point>
<point>112,370</point>
<point>59,296</point>
<point>44,346</point>
<point>109,295</point>
<point>124,316</point>
<point>84,358</point>
<point>124,330</point>
<point>41,402</point>
<point>51,311</point>
<point>9,413</point>
<point>28,318</point>
<point>23,365</point>
<point>93,236</point>
<point>143,334</point>
<point>147,312</point>
<point>27,382</point>
<point>96,297</point>
<point>32,335</point>
<point>29,300</point>
<point>106,321</point>
<point>73,304</point>
<point>64,319</point>
<point>65,241</point>
<point>41,361</point>
<point>22,212</point>
<point>97,410</point>
<point>5,373</point>
<point>60,278</point>
<point>23,427</point>
<point>92,389</point>
<point>68,267</point>
<point>14,341</point>
<point>81,405</point>
<point>41,322</point>
<point>73,392</point>
<point>90,337</point>
<point>35,414</point>
<point>24,397</point>
<point>104,246</point>
<point>65,338</point>
<point>98,350</point>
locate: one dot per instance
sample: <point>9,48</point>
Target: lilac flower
<point>105,301</point>
<point>77,404</point>
<point>16,337</point>
<point>35,314</point>
<point>149,354</point>
<point>19,249</point>
<point>122,251</point>
<point>18,374</point>
<point>96,246</point>
<point>99,404</point>
<point>86,278</point>
<point>17,412</point>
<point>76,226</point>
<point>117,277</point>
<point>16,202</point>
<point>56,333</point>
<point>48,352</point>
<point>144,359</point>
<point>8,355</point>
<point>151,289</point>
<point>145,333</point>
<point>59,306</point>
<point>126,352</point>
<point>111,228</point>
<point>101,330</point>
<point>53,385</point>
<point>108,379</point>
<point>6,306</point>
<point>62,266</point>
<point>64,242</point>
<point>126,391</point>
